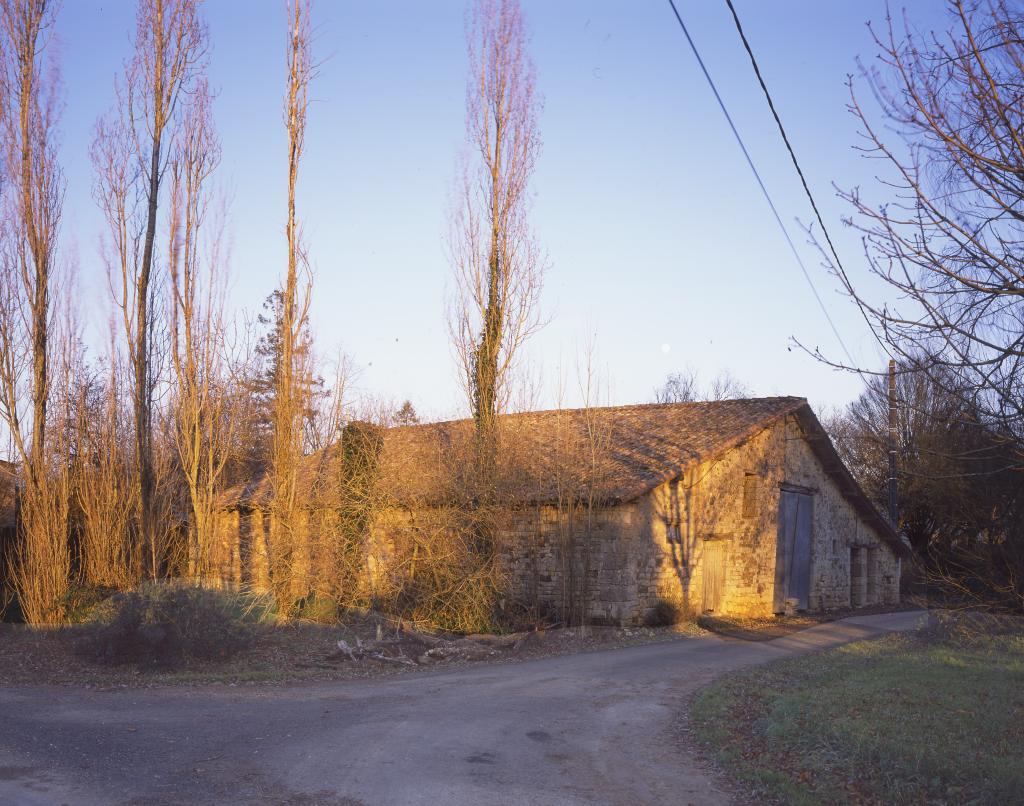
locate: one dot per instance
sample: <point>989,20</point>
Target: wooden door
<point>793,557</point>
<point>713,574</point>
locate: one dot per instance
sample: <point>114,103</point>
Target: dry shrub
<point>393,534</point>
<point>41,566</point>
<point>317,609</point>
<point>663,614</point>
<point>444,518</point>
<point>167,550</point>
<point>972,625</point>
<point>982,576</point>
<point>83,601</point>
<point>167,624</point>
<point>345,498</point>
<point>104,490</point>
<point>439,577</point>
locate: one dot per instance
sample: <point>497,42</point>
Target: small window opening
<point>750,495</point>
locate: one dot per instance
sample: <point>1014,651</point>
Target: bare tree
<point>201,412</point>
<point>130,155</point>
<point>685,387</point>
<point>498,265</point>
<point>946,244</point>
<point>960,495</point>
<point>31,195</point>
<point>32,203</point>
<point>289,405</point>
<point>679,387</point>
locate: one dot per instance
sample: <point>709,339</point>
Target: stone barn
<point>735,507</point>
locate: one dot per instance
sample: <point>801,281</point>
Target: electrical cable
<point>760,182</point>
<point>796,164</point>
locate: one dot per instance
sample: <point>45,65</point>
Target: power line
<point>792,156</point>
<point>757,175</point>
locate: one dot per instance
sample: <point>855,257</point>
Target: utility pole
<point>893,501</point>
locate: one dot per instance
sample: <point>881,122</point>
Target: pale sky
<point>658,239</point>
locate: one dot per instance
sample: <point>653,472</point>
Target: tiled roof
<point>637,448</point>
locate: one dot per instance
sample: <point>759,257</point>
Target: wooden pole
<point>893,500</point>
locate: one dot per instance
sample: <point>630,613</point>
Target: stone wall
<point>654,548</point>
<point>841,538</point>
<point>707,504</point>
<point>553,558</point>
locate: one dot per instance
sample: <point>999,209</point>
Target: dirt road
<point>596,727</point>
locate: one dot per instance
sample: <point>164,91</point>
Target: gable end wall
<point>837,531</point>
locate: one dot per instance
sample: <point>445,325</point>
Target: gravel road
<point>595,728</point>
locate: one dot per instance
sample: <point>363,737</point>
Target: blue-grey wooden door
<point>793,558</point>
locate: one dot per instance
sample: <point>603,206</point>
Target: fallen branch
<point>344,647</point>
<point>404,661</point>
<point>344,650</point>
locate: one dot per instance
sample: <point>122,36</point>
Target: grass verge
<point>931,717</point>
<point>768,628</point>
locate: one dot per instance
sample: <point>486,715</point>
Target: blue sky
<point>658,239</point>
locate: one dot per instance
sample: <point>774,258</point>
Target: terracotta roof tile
<point>641,446</point>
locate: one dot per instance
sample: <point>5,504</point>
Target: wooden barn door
<point>714,574</point>
<point>793,568</point>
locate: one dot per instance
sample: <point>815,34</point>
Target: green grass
<point>927,718</point>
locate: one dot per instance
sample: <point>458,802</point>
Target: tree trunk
<point>140,360</point>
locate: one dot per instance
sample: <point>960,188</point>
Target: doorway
<point>713,574</point>
<point>793,557</point>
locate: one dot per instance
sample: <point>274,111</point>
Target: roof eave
<point>826,453</point>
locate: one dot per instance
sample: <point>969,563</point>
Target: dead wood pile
<point>408,647</point>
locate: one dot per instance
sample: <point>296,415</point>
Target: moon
<point>665,348</point>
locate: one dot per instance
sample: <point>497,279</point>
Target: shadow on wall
<point>719,534</point>
<point>675,511</point>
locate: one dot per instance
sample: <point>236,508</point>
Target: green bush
<point>165,624</point>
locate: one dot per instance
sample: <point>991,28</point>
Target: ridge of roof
<point>621,408</point>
